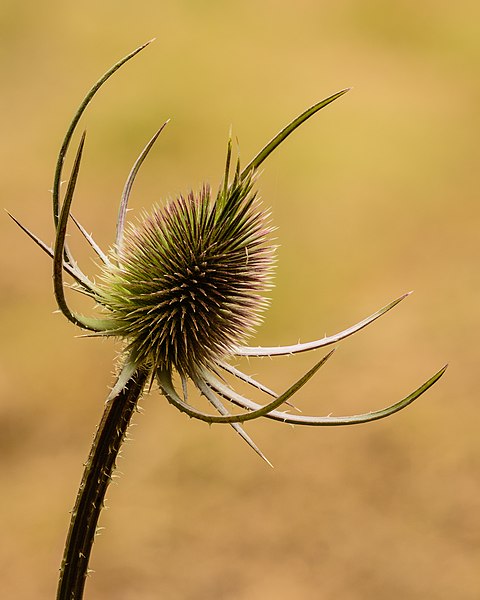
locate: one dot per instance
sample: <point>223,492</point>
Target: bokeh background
<point>376,196</point>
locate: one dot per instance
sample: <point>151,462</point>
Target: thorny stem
<point>96,478</point>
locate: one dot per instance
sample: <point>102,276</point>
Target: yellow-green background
<point>376,196</point>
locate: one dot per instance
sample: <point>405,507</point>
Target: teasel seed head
<point>186,286</point>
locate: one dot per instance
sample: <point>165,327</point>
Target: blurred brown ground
<point>377,195</point>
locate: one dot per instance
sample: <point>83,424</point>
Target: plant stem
<point>96,478</point>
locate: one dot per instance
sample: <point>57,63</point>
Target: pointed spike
<point>328,421</point>
<point>246,378</point>
<point>98,251</point>
<point>326,341</point>
<point>73,125</point>
<point>58,251</point>
<point>91,324</point>
<point>71,269</point>
<point>251,381</point>
<point>227,163</point>
<point>212,398</point>
<point>286,131</point>
<point>124,377</point>
<point>122,211</point>
<point>184,388</point>
<point>362,418</point>
<point>241,432</point>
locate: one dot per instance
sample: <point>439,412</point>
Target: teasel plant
<point>182,288</point>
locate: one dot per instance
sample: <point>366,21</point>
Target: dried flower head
<point>183,287</point>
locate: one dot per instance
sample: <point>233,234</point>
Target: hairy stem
<point>96,478</point>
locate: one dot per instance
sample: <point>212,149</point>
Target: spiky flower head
<point>182,287</point>
<point>185,287</point>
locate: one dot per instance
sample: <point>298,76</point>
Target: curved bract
<point>185,284</point>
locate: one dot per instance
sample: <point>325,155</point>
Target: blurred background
<point>375,196</point>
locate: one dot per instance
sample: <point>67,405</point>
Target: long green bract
<point>73,125</point>
<point>286,131</point>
